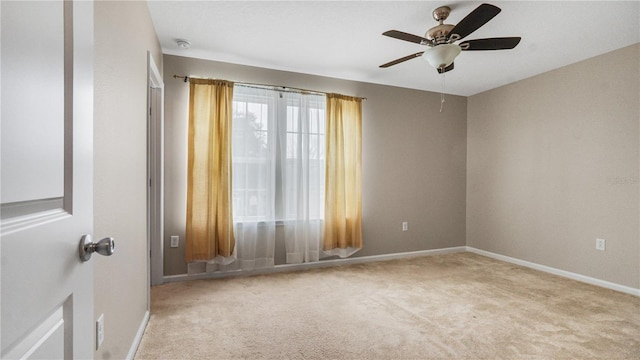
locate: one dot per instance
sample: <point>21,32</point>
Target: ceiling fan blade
<point>448,68</point>
<point>406,36</point>
<point>490,43</point>
<point>402,59</point>
<point>472,22</point>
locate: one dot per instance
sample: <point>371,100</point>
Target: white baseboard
<point>563,273</point>
<point>405,255</point>
<point>314,265</point>
<point>138,338</point>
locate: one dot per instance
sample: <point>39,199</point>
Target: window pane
<point>313,118</point>
<point>292,118</point>
<point>313,146</point>
<point>250,156</point>
<point>321,121</point>
<point>321,147</point>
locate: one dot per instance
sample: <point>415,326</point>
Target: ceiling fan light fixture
<point>442,55</point>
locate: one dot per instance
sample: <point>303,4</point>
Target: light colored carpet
<point>461,306</point>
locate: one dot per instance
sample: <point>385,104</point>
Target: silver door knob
<point>87,247</point>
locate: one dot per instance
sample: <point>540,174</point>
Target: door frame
<point>155,174</point>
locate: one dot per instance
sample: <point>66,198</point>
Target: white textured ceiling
<point>342,39</point>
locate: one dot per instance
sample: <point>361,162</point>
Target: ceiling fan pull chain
<point>442,94</point>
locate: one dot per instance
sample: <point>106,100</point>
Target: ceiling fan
<point>440,39</point>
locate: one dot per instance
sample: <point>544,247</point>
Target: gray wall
<point>123,34</point>
<point>553,164</point>
<point>414,158</point>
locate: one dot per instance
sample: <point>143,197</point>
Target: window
<point>278,151</point>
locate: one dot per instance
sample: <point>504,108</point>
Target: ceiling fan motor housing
<point>438,34</point>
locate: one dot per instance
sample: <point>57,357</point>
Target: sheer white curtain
<point>278,150</point>
<point>254,176</point>
<point>302,175</point>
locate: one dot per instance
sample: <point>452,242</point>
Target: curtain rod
<point>284,88</point>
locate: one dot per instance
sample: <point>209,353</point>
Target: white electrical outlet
<point>99,331</point>
<point>405,226</point>
<point>175,241</point>
<point>600,244</point>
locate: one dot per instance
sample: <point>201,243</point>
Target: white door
<point>47,179</point>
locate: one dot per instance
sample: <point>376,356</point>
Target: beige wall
<point>414,158</point>
<point>553,164</point>
<point>123,34</point>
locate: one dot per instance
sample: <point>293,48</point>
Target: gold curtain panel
<point>343,176</point>
<point>209,231</point>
